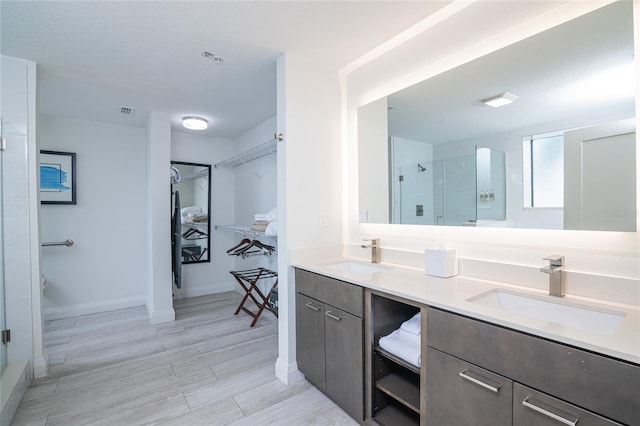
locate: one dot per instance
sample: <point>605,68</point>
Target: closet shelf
<point>241,229</point>
<point>258,151</point>
<point>197,174</point>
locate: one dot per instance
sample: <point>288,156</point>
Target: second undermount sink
<point>355,268</point>
<point>596,320</point>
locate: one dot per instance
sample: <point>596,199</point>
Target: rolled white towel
<point>272,216</point>
<point>401,348</point>
<point>260,217</point>
<point>272,229</point>
<point>412,325</point>
<point>413,338</point>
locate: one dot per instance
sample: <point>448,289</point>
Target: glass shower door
<point>3,318</point>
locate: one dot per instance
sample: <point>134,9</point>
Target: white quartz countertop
<point>452,294</point>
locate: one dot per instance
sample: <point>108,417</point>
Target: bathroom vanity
<point>479,366</point>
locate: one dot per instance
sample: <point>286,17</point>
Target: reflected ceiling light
<point>194,123</point>
<point>500,100</point>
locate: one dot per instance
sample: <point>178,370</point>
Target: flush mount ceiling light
<point>194,123</point>
<point>500,100</point>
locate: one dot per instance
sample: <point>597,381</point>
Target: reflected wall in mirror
<point>192,181</point>
<point>435,154</point>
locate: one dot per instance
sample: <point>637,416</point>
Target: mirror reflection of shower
<point>459,190</point>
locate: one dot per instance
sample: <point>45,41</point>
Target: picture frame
<point>57,177</point>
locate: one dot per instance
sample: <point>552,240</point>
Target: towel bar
<point>67,243</point>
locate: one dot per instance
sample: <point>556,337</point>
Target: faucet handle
<point>555,259</point>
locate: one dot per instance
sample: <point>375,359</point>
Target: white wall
<point>210,277</point>
<point>309,180</point>
<point>158,160</point>
<point>106,266</point>
<point>422,55</point>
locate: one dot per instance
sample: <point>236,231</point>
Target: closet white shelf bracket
<point>258,151</point>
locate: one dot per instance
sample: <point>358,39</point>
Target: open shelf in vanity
<point>394,385</point>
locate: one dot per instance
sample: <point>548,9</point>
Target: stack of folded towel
<point>405,341</point>
<point>188,213</point>
<point>266,222</point>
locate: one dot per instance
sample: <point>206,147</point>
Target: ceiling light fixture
<point>500,100</point>
<point>194,123</point>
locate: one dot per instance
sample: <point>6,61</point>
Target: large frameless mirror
<point>191,211</point>
<point>560,156</point>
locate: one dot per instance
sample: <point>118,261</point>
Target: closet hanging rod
<point>67,243</point>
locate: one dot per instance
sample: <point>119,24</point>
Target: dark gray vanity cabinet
<point>460,393</point>
<point>553,383</point>
<point>329,338</point>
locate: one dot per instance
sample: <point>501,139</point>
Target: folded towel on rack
<point>260,226</point>
<point>197,218</point>
<point>272,229</point>
<point>402,348</point>
<point>191,209</point>
<point>413,338</point>
<point>412,325</point>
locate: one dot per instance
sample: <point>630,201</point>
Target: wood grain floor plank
<point>206,368</point>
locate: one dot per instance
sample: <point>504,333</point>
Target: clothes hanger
<point>237,246</point>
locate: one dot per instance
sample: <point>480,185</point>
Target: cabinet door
<point>533,408</point>
<point>462,394</point>
<point>310,339</point>
<point>344,361</point>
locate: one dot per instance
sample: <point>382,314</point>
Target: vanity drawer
<point>607,386</point>
<point>459,393</point>
<point>532,408</point>
<point>342,295</point>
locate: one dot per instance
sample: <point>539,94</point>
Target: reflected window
<point>543,171</point>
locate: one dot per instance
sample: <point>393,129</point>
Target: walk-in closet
<point>225,220</point>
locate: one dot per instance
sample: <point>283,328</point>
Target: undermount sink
<point>355,268</point>
<point>596,320</point>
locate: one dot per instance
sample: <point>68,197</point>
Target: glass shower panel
<point>3,319</point>
<point>459,190</point>
<point>415,198</point>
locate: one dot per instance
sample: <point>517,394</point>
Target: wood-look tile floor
<point>206,368</point>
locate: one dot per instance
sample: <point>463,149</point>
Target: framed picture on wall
<point>57,177</point>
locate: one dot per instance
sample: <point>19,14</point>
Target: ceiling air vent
<point>127,110</point>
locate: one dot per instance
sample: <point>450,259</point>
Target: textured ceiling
<point>96,56</point>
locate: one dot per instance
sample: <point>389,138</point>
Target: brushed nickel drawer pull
<point>556,417</point>
<point>310,306</point>
<point>465,376</point>
<point>330,315</point>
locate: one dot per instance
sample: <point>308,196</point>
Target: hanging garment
<point>176,242</point>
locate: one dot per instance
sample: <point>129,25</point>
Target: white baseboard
<point>41,366</point>
<point>92,307</point>
<point>159,317</point>
<point>288,373</point>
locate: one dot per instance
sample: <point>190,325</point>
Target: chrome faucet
<point>375,249</point>
<point>555,271</point>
